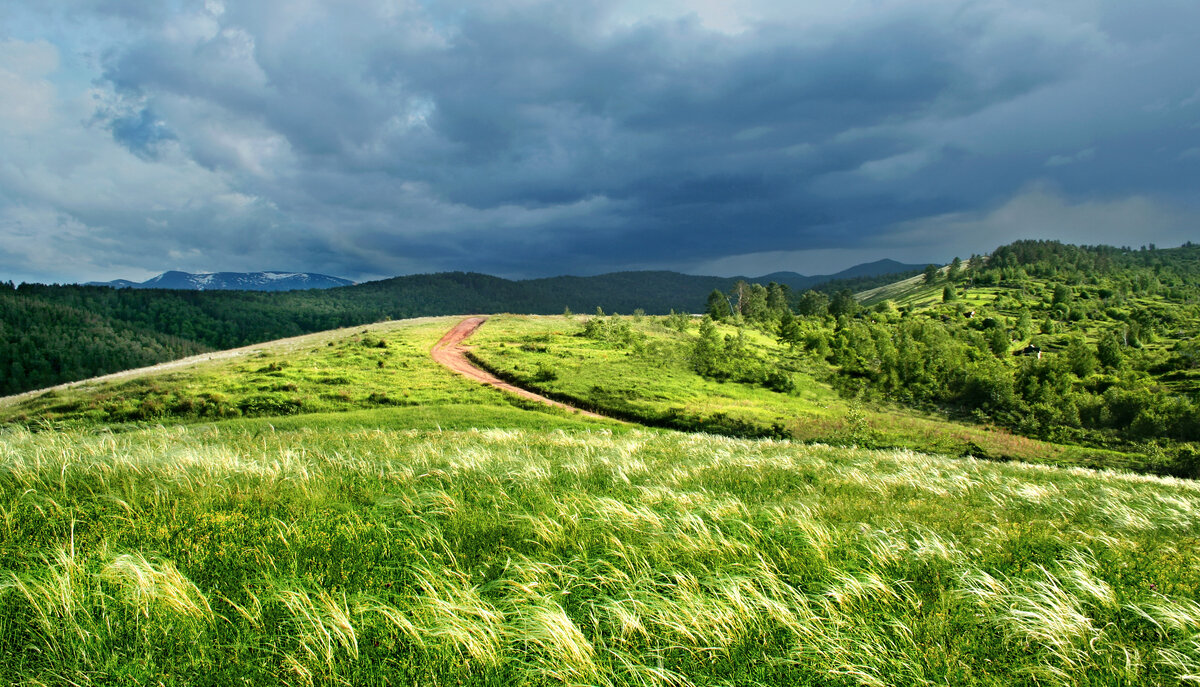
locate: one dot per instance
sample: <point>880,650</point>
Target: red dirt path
<point>452,354</point>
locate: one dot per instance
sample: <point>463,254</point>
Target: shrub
<point>781,381</point>
<point>269,404</point>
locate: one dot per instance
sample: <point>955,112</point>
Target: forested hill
<point>55,334</point>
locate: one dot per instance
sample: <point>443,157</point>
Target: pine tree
<point>955,270</point>
<point>718,306</point>
<point>931,273</point>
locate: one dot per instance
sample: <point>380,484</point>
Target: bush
<point>781,381</point>
<point>269,404</point>
<point>989,386</point>
<point>1184,461</point>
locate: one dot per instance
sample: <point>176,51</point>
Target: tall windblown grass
<point>187,555</point>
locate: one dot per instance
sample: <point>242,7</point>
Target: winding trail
<point>450,352</point>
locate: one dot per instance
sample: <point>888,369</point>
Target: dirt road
<point>452,354</point>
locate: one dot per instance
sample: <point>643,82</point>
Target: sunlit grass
<point>657,386</point>
<point>377,375</point>
<point>352,555</point>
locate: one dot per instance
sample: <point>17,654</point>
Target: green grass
<point>382,375</point>
<point>452,535</point>
<point>384,367</point>
<point>911,292</point>
<point>656,385</point>
<point>526,416</point>
<point>329,555</point>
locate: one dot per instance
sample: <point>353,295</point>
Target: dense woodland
<point>51,334</point>
<point>1117,330</point>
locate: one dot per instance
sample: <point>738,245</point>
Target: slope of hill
<point>378,367</point>
<point>418,529</point>
<point>245,281</point>
<point>226,319</point>
<point>1115,369</point>
<point>43,342</point>
<point>1093,349</point>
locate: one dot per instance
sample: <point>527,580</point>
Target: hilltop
<point>55,334</point>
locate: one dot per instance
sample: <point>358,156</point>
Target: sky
<point>523,138</point>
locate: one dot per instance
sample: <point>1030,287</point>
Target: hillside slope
<point>201,320</point>
<point>383,372</point>
<point>299,553</point>
<point>339,508</point>
<point>1092,348</point>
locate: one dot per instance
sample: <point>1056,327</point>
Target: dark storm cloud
<point>640,110</point>
<point>528,138</point>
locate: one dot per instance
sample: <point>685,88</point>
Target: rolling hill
<point>337,508</point>
<point>140,326</point>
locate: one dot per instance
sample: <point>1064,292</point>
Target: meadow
<point>375,375</point>
<point>647,376</point>
<point>338,509</point>
<point>238,554</point>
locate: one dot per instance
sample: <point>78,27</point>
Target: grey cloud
<point>530,138</point>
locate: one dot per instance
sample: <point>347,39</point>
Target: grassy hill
<point>384,371</point>
<point>335,508</point>
<point>327,554</point>
<point>376,374</point>
<point>1042,351</point>
<point>1118,332</point>
<point>55,334</point>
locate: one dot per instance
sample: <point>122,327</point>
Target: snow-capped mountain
<point>245,281</point>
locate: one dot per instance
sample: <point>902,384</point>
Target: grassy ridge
<point>40,325</point>
<point>650,379</point>
<point>383,372</point>
<point>194,555</point>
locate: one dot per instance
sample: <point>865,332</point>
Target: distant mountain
<point>623,292</point>
<point>633,284</point>
<point>800,282</point>
<point>228,281</point>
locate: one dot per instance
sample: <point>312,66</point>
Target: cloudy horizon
<point>525,138</point>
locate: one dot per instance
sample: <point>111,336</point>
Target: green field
<point>377,375</point>
<point>239,555</point>
<point>651,381</point>
<point>339,509</point>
